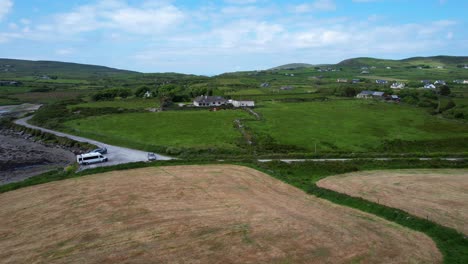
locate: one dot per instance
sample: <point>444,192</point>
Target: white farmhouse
<point>209,101</point>
<point>397,85</point>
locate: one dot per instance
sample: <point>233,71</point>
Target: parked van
<point>89,158</point>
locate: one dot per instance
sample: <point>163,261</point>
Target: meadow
<point>358,126</point>
<point>175,130</point>
<point>132,103</point>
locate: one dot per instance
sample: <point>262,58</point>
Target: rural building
<point>388,68</point>
<point>4,83</point>
<point>465,81</point>
<point>365,94</point>
<point>397,85</point>
<point>148,94</point>
<point>429,86</point>
<point>394,98</point>
<point>242,103</point>
<point>365,72</point>
<point>381,81</point>
<point>342,80</point>
<point>209,101</point>
<point>356,81</point>
<point>425,81</point>
<point>378,95</point>
<point>264,85</point>
<point>287,87</point>
<point>440,82</point>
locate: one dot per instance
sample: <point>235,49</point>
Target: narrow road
<point>350,159</point>
<point>115,154</point>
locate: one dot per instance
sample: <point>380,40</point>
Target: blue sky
<point>211,37</point>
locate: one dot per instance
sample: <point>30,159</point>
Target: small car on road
<point>102,150</point>
<point>151,156</point>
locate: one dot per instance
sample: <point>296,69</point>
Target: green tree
<point>444,90</point>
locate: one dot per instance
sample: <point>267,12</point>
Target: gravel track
<point>115,154</point>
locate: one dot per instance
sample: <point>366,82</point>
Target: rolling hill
<point>430,61</point>
<point>11,68</point>
<point>293,66</point>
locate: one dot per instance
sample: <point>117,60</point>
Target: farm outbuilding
<point>244,103</point>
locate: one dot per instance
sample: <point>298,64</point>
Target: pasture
<point>358,126</point>
<point>438,195</point>
<point>178,214</point>
<point>177,129</point>
<point>131,103</point>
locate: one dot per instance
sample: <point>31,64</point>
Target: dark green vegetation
<point>55,70</point>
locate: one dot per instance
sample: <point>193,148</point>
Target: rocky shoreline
<point>23,156</point>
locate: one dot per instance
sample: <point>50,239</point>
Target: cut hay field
<point>194,214</point>
<point>358,126</point>
<point>179,129</point>
<point>439,195</point>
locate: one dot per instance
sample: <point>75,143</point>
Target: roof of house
<point>209,99</point>
<point>366,93</point>
<point>378,93</point>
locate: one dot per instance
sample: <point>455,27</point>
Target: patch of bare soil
<point>438,195</point>
<point>22,158</point>
<point>194,214</point>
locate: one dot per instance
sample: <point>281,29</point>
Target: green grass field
<point>133,103</point>
<point>357,126</point>
<point>179,129</point>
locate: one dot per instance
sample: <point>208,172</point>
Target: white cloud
<point>365,1</point>
<point>149,18</point>
<point>240,2</point>
<point>64,52</point>
<point>5,7</point>
<point>144,21</point>
<point>318,5</point>
<point>25,21</point>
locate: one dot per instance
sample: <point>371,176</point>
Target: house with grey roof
<point>381,81</point>
<point>365,94</point>
<point>207,101</point>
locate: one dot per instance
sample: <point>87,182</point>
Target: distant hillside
<point>293,66</point>
<point>24,68</point>
<point>432,61</point>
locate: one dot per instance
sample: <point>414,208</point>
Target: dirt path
<point>116,154</point>
<point>439,195</point>
<point>194,214</point>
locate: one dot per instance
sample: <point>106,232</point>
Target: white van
<point>89,158</point>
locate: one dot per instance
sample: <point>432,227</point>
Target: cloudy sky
<point>211,37</point>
